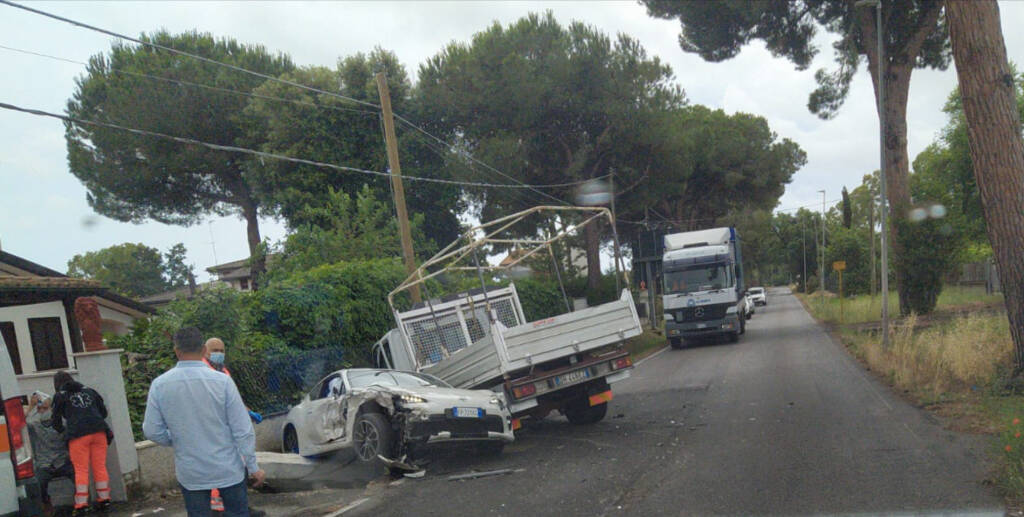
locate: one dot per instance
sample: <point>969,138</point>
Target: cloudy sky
<point>44,215</point>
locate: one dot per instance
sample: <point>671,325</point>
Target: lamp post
<point>877,4</point>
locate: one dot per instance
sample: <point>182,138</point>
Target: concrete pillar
<point>101,371</point>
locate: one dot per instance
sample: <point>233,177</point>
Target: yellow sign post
<point>839,266</point>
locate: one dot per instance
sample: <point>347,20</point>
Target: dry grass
<point>865,308</point>
<point>967,353</point>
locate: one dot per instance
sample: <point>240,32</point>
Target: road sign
<point>839,265</point>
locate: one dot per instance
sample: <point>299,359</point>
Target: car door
<point>323,419</point>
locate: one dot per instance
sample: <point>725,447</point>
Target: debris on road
<point>486,473</point>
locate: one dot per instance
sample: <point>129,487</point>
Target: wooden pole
<point>840,296</point>
<point>391,143</point>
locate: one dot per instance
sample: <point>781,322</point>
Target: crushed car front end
<point>446,415</point>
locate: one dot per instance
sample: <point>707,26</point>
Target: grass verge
<point>865,308</point>
<point>956,368</point>
<point>645,344</point>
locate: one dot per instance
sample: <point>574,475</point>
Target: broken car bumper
<point>443,428</point>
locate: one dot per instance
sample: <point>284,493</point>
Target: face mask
<point>217,357</point>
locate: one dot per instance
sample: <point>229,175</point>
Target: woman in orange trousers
<point>82,412</point>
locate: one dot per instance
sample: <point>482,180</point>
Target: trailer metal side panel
<point>571,333</point>
<point>469,367</point>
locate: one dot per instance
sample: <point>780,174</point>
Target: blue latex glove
<point>256,417</point>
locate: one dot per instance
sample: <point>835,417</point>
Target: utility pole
<point>803,226</point>
<point>396,181</point>
<point>871,232</point>
<point>881,173</point>
<point>821,261</point>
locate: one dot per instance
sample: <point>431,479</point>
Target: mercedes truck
<point>704,293</point>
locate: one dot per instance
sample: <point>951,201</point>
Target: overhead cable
<point>196,85</point>
<point>242,150</point>
<point>183,53</point>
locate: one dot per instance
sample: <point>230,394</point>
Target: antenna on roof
<point>209,224</point>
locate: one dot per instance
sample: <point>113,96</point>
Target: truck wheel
<point>734,337</point>
<point>580,412</point>
<point>677,343</point>
<point>372,436</point>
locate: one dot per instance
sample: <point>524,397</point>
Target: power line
<point>473,159</point>
<point>183,53</point>
<point>188,83</point>
<point>262,154</point>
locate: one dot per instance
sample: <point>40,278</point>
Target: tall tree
<point>914,37</point>
<point>712,164</point>
<point>548,104</point>
<point>997,149</point>
<point>847,210</point>
<point>132,269</point>
<point>331,129</point>
<point>133,177</point>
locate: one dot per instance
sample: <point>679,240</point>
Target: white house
<point>37,314</point>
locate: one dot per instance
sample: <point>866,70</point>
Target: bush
<point>930,249</point>
<point>338,305</point>
<point>541,298</point>
<point>606,292</point>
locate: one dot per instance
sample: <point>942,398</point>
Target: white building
<point>37,314</point>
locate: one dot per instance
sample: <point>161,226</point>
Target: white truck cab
<point>704,292</point>
<point>19,491</point>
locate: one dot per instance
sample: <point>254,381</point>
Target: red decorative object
<point>87,312</point>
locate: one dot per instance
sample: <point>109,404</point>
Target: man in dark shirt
<point>49,446</point>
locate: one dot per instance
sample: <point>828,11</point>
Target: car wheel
<point>372,436</point>
<point>290,442</point>
<point>580,412</point>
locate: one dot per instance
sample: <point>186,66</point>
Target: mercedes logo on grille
<point>699,312</point>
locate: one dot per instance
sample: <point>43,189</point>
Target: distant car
<point>383,412</point>
<point>19,490</point>
<point>757,295</point>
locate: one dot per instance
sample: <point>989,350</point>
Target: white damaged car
<point>387,412</point>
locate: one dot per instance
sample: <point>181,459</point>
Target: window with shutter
<point>48,343</point>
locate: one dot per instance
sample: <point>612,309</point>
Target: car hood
<point>438,395</point>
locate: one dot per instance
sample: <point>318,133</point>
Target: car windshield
<point>756,290</point>
<point>703,278</point>
<point>362,379</point>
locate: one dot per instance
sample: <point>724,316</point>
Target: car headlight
<point>412,399</point>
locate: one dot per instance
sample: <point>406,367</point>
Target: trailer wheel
<point>580,412</point>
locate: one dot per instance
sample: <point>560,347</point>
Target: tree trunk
<point>897,167</point>
<point>871,232</point>
<point>997,150</point>
<point>592,235</point>
<point>256,255</point>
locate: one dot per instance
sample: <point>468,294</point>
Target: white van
<point>19,491</point>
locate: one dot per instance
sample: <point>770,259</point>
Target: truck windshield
<point>703,278</point>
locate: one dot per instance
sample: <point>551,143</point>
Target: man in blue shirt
<point>199,413</point>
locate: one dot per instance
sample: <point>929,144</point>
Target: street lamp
<point>877,4</point>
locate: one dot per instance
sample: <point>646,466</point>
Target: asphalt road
<point>783,422</point>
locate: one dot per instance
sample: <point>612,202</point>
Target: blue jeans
<point>236,501</point>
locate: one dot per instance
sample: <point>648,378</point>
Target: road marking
<point>348,507</point>
<point>652,356</point>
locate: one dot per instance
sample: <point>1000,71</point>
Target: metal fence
<point>273,383</point>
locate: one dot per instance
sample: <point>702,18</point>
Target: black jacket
<point>81,409</point>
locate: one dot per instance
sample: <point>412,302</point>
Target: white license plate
<point>467,412</point>
<point>572,377</point>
